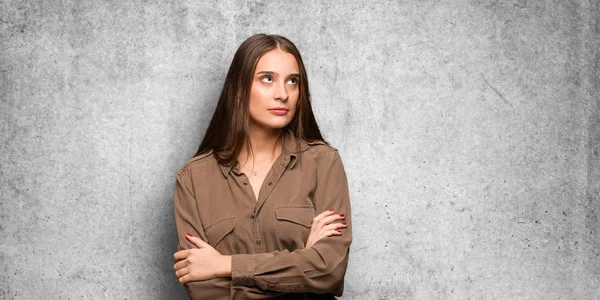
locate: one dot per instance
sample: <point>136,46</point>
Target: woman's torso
<point>236,222</point>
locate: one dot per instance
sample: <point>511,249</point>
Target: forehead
<point>277,61</point>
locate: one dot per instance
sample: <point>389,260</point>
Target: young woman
<point>262,210</point>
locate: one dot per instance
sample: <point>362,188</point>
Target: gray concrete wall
<point>470,131</point>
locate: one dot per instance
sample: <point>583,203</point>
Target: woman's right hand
<point>323,226</point>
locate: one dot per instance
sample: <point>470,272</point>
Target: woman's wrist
<point>224,266</point>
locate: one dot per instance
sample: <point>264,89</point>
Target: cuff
<point>242,270</point>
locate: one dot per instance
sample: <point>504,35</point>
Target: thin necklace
<point>255,172</point>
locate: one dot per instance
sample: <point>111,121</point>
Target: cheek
<point>294,97</point>
<point>257,98</point>
<point>293,101</point>
<point>255,94</point>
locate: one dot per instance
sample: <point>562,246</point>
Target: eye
<point>293,80</point>
<point>266,78</point>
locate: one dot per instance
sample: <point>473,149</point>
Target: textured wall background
<point>470,131</point>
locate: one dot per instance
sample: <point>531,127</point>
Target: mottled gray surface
<point>470,131</point>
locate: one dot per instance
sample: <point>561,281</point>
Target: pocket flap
<point>218,230</point>
<point>302,215</point>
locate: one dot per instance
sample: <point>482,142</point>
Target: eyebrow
<point>273,73</point>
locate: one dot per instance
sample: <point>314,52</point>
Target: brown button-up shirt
<point>266,236</point>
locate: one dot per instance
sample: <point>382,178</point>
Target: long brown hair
<point>226,133</point>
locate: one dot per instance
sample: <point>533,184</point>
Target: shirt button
<point>258,242</point>
<point>270,183</point>
<point>252,217</point>
<point>245,183</point>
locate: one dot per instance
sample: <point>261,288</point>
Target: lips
<point>279,111</point>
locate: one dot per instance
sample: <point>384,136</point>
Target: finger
<point>332,232</point>
<point>335,226</point>
<point>182,272</point>
<point>324,234</point>
<point>181,264</point>
<point>322,215</point>
<point>185,279</point>
<point>328,212</point>
<point>332,218</point>
<point>179,255</point>
<point>197,241</point>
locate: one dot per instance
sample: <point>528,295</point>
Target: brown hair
<point>226,132</point>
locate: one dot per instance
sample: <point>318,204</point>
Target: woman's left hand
<point>200,264</point>
<point>324,225</point>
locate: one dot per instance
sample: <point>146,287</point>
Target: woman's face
<point>274,92</point>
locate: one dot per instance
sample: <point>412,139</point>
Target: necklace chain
<point>255,172</point>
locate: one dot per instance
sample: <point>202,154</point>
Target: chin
<point>279,126</point>
<point>270,122</point>
<point>274,125</point>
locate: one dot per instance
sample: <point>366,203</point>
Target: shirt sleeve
<point>186,211</point>
<point>188,220</point>
<point>319,269</point>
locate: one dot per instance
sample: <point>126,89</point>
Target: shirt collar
<point>290,148</point>
<point>288,153</point>
<point>226,169</point>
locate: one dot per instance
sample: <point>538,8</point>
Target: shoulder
<point>321,148</point>
<point>198,164</point>
<point>321,152</point>
<point>325,160</point>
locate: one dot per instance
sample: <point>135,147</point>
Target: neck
<point>264,145</point>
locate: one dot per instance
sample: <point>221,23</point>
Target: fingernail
<point>344,224</point>
<point>331,209</point>
<point>342,215</point>
<point>188,234</point>
<point>339,232</point>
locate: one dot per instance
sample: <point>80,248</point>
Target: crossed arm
<point>206,263</point>
<point>318,268</point>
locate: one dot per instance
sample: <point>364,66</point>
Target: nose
<point>280,92</point>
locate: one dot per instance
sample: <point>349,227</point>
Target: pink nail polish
<point>188,234</point>
<point>342,215</point>
<point>331,209</point>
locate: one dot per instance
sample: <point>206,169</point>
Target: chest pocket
<point>293,226</point>
<point>219,233</point>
